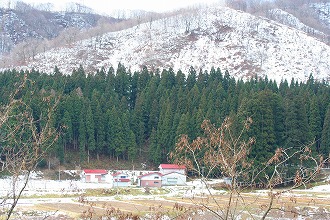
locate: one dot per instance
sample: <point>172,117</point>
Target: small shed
<point>121,180</point>
<point>170,168</point>
<point>174,179</point>
<point>94,176</point>
<point>153,179</point>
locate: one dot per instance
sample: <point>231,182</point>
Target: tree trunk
<point>88,156</point>
<point>270,206</point>
<point>49,162</point>
<point>16,198</point>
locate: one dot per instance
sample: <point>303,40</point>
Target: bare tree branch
<point>24,140</point>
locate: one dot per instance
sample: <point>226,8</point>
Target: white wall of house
<point>121,180</point>
<point>93,178</point>
<point>173,179</point>
<point>170,168</point>
<point>109,178</point>
<point>120,184</point>
<point>165,171</point>
<point>97,177</point>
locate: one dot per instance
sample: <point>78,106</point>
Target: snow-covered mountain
<point>239,42</point>
<point>17,26</point>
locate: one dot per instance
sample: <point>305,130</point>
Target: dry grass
<point>247,204</point>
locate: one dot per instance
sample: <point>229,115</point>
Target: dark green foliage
<point>60,149</point>
<point>82,136</point>
<point>315,122</point>
<point>262,108</point>
<point>296,124</point>
<point>183,126</point>
<point>325,139</point>
<point>155,149</point>
<point>121,115</point>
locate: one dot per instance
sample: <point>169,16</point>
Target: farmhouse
<point>94,176</point>
<point>173,179</point>
<point>168,175</point>
<point>170,168</point>
<point>153,179</point>
<point>121,180</point>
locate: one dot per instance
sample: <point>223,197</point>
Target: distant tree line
<point>125,115</point>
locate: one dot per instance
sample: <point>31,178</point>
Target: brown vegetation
<point>225,151</point>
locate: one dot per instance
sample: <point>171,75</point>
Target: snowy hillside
<point>220,37</point>
<point>288,19</point>
<point>323,10</point>
<point>18,26</point>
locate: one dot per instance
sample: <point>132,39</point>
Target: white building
<point>173,179</point>
<point>94,176</point>
<point>121,180</point>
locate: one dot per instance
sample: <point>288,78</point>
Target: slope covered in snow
<point>323,10</point>
<point>288,19</point>
<point>243,44</point>
<point>17,26</point>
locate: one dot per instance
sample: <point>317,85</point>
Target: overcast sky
<point>108,6</point>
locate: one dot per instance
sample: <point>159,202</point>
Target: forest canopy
<point>125,115</point>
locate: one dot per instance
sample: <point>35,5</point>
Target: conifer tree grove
<point>139,117</point>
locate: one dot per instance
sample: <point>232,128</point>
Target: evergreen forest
<point>127,116</point>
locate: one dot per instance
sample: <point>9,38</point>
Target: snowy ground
<point>49,192</point>
<point>38,186</point>
<point>42,187</point>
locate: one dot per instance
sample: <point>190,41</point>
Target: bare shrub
<point>224,151</point>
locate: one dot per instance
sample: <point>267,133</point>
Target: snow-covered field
<point>67,193</point>
<point>39,187</point>
<point>43,187</point>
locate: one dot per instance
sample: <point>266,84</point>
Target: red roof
<point>87,171</point>
<point>116,174</point>
<point>172,166</point>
